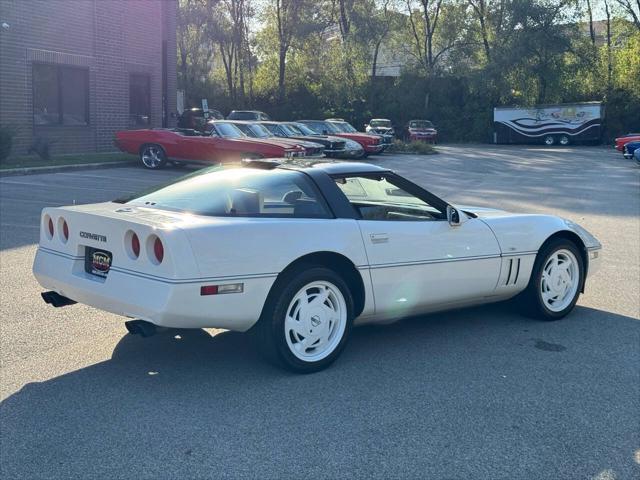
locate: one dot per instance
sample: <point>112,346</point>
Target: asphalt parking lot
<point>476,393</point>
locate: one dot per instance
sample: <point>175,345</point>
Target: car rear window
<point>239,192</point>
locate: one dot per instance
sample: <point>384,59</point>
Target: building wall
<point>111,38</point>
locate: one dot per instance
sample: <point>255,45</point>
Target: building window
<point>60,95</point>
<point>139,100</point>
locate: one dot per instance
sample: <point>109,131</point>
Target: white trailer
<point>549,124</point>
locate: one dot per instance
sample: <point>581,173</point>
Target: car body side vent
<point>514,271</point>
<point>515,277</point>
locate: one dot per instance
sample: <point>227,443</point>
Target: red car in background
<point>222,143</point>
<point>420,130</point>
<point>629,137</point>
<point>370,143</point>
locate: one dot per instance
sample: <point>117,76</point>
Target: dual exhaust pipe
<point>135,327</point>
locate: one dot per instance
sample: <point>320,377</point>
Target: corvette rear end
<point>137,263</point>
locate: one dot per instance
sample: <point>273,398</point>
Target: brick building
<point>76,71</point>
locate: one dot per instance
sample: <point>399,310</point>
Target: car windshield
<point>302,128</point>
<point>238,192</point>
<point>228,130</point>
<point>344,127</point>
<point>275,129</point>
<point>322,128</point>
<point>289,129</point>
<point>420,124</point>
<point>259,131</point>
<point>380,123</point>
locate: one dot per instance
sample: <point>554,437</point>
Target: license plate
<point>97,262</point>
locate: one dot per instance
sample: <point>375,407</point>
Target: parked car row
<point>629,145</point>
<point>246,134</point>
<point>197,118</point>
<point>414,130</point>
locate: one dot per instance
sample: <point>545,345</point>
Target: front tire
<point>549,140</point>
<point>307,320</point>
<point>153,157</point>
<point>564,140</point>
<point>556,281</point>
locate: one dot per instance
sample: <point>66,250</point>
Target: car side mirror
<point>455,217</point>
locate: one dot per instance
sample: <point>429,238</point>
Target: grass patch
<point>418,148</point>
<point>58,160</point>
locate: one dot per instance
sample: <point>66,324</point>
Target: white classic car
<point>297,252</point>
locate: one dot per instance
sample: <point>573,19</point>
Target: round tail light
<point>135,245</point>
<point>158,250</point>
<point>50,227</point>
<point>65,230</point>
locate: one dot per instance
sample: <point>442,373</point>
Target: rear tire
<point>556,281</point>
<point>153,157</point>
<point>564,140</point>
<point>549,140</point>
<point>306,320</point>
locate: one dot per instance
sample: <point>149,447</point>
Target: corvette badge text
<point>93,236</point>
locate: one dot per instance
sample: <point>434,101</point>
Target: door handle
<point>379,237</point>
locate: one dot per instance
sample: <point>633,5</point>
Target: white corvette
<point>298,252</point>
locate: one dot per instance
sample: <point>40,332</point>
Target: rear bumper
<point>164,302</point>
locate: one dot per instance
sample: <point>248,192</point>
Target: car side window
<point>377,197</point>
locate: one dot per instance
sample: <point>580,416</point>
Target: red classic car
<point>371,143</point>
<point>629,137</point>
<point>223,143</point>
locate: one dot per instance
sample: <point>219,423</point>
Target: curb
<point>62,168</point>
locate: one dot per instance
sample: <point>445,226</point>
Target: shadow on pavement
<point>478,393</point>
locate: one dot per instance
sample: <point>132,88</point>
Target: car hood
<point>321,140</point>
<point>306,143</point>
<point>363,137</point>
<point>526,231</point>
<point>280,142</point>
<point>484,212</point>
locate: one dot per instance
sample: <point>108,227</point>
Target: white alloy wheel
<point>315,321</point>
<point>152,156</point>
<point>560,280</point>
<point>564,140</point>
<point>549,140</point>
